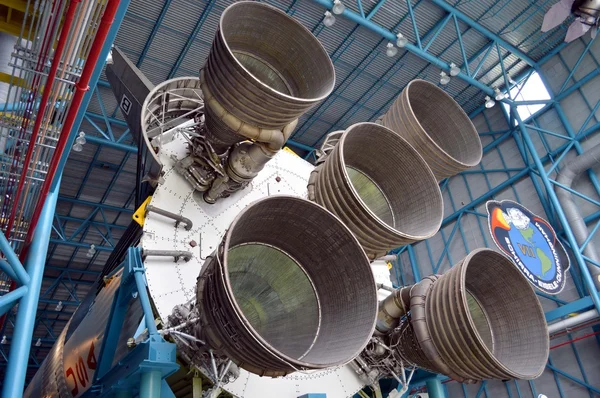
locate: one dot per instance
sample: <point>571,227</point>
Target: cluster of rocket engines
<point>290,287</point>
<point>267,301</point>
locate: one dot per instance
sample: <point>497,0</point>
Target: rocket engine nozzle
<point>289,288</point>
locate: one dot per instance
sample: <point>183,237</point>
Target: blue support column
<point>21,344</point>
<point>8,300</point>
<point>138,273</point>
<point>13,261</point>
<point>462,46</point>
<point>150,384</point>
<point>111,144</point>
<point>435,389</point>
<point>483,30</point>
<point>413,263</point>
<point>376,8</point>
<point>441,25</point>
<point>7,269</point>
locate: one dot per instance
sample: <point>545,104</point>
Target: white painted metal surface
<point>381,272</point>
<point>172,283</point>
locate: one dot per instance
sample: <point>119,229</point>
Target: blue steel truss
<point>490,64</point>
<point>143,370</point>
<point>539,169</point>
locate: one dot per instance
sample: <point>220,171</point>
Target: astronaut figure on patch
<point>530,244</point>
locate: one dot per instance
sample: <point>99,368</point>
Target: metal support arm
<point>145,367</point>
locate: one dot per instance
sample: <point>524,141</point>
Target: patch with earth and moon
<point>531,243</point>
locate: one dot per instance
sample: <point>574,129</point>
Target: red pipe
<point>574,340</point>
<point>31,102</point>
<point>64,34</point>
<point>80,88</point>
<point>46,45</point>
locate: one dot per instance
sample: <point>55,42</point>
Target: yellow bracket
<point>107,280</point>
<point>140,214</point>
<point>287,149</point>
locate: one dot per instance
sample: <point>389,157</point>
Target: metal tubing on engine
<point>176,254</point>
<point>418,294</point>
<point>392,308</point>
<point>177,217</point>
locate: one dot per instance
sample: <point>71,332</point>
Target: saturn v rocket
<point>272,283</point>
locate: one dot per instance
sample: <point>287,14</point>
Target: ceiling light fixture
<point>79,142</point>
<point>390,50</point>
<point>510,79</point>
<point>489,102</point>
<point>444,78</point>
<point>59,306</point>
<point>499,95</point>
<point>338,7</point>
<point>402,41</point>
<point>329,19</point>
<point>109,58</point>
<point>454,70</point>
<point>90,253</point>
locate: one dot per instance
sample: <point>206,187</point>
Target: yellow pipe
<point>18,5</point>
<point>13,27</point>
<point>16,81</point>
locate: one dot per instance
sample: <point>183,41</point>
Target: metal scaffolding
<point>41,119</point>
